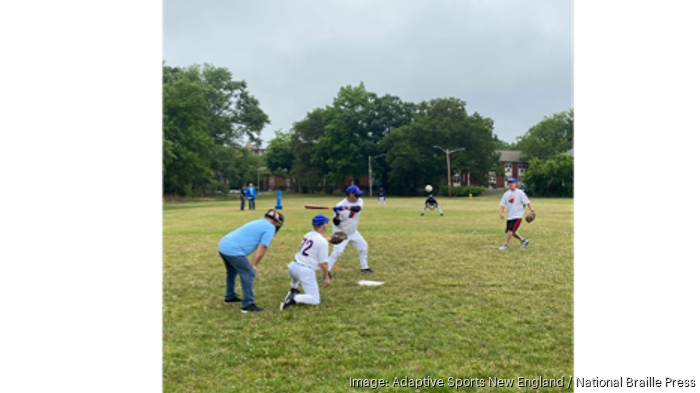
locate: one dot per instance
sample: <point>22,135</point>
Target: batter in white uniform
<point>347,218</point>
<point>312,256</point>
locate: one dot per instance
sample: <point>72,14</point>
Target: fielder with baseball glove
<point>515,200</point>
<point>338,237</point>
<point>312,256</point>
<point>531,217</point>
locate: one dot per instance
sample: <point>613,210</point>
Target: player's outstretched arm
<point>326,274</point>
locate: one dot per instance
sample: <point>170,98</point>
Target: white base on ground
<point>369,283</point>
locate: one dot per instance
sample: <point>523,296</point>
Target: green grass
<point>452,305</point>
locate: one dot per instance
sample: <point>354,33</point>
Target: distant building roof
<point>257,150</point>
<point>509,155</point>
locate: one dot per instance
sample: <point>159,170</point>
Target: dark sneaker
<point>368,270</point>
<point>295,291</point>
<point>234,299</point>
<point>251,308</point>
<point>288,300</point>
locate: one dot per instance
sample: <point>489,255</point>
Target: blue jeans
<point>251,203</point>
<point>242,204</point>
<point>239,265</point>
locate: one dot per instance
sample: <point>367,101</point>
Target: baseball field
<point>453,309</point>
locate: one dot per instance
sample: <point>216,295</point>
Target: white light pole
<point>369,160</point>
<point>449,173</point>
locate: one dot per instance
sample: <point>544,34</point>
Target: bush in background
<point>463,191</point>
<point>554,177</point>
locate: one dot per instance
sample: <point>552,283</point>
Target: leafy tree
<point>346,137</point>
<point>353,128</point>
<point>309,167</point>
<point>280,157</point>
<point>168,154</point>
<point>388,112</point>
<point>501,145</point>
<point>187,145</point>
<point>552,177</point>
<point>231,112</point>
<point>225,165</point>
<point>249,164</point>
<point>551,136</point>
<point>444,122</point>
<point>206,114</point>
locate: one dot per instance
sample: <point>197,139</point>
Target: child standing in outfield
<point>515,200</point>
<point>382,196</point>
<point>312,256</point>
<point>431,204</point>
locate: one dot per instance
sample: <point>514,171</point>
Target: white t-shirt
<point>515,202</point>
<point>313,250</point>
<point>348,219</point>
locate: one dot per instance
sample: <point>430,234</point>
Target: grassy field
<point>452,306</point>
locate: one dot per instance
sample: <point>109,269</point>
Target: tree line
<point>207,117</point>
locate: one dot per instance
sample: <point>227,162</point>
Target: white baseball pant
<point>306,276</point>
<point>358,242</point>
<point>438,207</point>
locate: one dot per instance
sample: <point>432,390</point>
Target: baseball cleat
<point>503,247</point>
<point>524,244</point>
<point>288,300</point>
<point>368,270</point>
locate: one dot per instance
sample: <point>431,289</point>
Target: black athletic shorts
<point>513,225</point>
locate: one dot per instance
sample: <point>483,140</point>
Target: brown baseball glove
<point>338,237</point>
<point>531,217</point>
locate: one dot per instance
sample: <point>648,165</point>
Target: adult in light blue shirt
<point>234,248</point>
<point>251,192</point>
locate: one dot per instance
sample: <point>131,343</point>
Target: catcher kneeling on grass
<point>515,200</point>
<point>312,256</point>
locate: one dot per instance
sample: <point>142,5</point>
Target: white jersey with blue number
<point>313,250</point>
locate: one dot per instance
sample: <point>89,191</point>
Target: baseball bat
<point>326,207</point>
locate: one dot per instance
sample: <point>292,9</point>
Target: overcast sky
<point>509,60</point>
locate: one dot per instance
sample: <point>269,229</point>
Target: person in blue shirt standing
<point>251,192</point>
<point>234,248</point>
